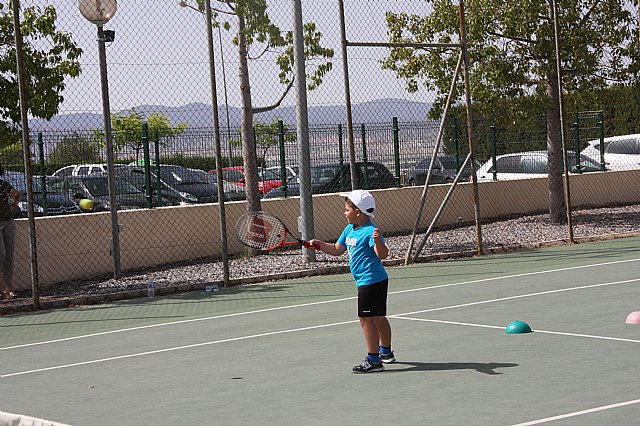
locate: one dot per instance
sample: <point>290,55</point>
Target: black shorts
<point>372,299</point>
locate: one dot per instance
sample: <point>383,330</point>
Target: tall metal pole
<point>567,192</point>
<point>305,222</point>
<point>226,99</point>
<point>111,173</point>
<point>347,96</point>
<point>26,150</point>
<point>467,90</point>
<point>216,129</point>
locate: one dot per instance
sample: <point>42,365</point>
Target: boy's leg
<point>384,330</point>
<point>371,300</point>
<point>372,361</point>
<point>371,334</point>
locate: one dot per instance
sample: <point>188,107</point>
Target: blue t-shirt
<point>365,265</point>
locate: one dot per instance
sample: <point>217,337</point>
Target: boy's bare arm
<point>333,249</point>
<point>381,249</point>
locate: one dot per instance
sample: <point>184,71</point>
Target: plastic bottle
<point>151,289</point>
<point>212,287</point>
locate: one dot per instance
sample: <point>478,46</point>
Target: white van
<point>620,152</point>
<point>83,170</point>
<point>531,164</point>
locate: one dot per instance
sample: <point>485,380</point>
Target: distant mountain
<point>199,115</point>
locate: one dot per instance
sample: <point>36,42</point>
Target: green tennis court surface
<point>282,353</point>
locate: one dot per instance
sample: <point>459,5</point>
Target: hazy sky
<point>160,55</point>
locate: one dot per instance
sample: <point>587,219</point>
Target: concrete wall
<point>77,246</point>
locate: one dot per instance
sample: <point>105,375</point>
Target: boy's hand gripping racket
<point>263,231</point>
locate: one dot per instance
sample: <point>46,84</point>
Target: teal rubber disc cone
<point>517,327</point>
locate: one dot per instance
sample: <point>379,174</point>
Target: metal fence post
<point>494,150</point>
<point>456,142</point>
<point>283,168</point>
<point>43,174</point>
<point>156,146</point>
<point>147,165</point>
<point>577,145</point>
<point>365,179</point>
<point>577,128</point>
<point>396,149</point>
<point>601,145</point>
<point>341,154</point>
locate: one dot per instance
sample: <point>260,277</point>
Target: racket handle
<point>308,244</point>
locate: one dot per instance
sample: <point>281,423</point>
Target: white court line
<point>323,302</point>
<point>400,316</point>
<point>561,333</point>
<point>142,327</point>
<point>520,296</point>
<point>579,413</point>
<point>176,348</point>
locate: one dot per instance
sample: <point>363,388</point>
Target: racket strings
<point>260,231</point>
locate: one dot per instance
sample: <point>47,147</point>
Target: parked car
<point>96,188</point>
<point>452,164</point>
<point>620,152</point>
<point>83,170</point>
<point>267,179</point>
<point>232,191</point>
<point>47,200</point>
<point>185,180</point>
<point>532,164</point>
<point>290,171</point>
<point>444,170</point>
<point>333,177</point>
<point>417,175</point>
<point>136,176</point>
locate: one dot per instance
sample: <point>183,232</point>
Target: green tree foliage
<point>76,148</point>
<point>511,50</point>
<point>12,156</point>
<point>50,56</point>
<point>267,136</point>
<point>127,129</point>
<point>256,31</point>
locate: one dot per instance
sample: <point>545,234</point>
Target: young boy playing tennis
<point>366,248</point>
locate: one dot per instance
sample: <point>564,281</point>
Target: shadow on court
<point>485,368</point>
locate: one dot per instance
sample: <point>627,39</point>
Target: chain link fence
<point>164,142</point>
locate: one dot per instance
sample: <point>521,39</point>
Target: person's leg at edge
<point>9,237</point>
<point>4,287</point>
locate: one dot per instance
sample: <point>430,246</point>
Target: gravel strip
<point>508,234</point>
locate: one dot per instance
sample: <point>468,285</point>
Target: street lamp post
<point>99,12</point>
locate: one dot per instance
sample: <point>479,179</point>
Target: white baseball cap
<point>364,201</point>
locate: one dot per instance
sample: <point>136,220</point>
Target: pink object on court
<point>633,318</point>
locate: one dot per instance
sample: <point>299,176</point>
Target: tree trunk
<point>557,213</point>
<point>248,139</point>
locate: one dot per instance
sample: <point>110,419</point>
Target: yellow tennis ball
<point>86,204</point>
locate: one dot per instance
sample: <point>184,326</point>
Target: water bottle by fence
<point>151,289</point>
<point>212,287</point>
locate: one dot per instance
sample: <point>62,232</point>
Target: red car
<point>267,179</point>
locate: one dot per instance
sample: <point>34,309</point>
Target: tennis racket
<point>263,231</point>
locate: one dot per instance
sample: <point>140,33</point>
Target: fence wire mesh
<point>158,75</point>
